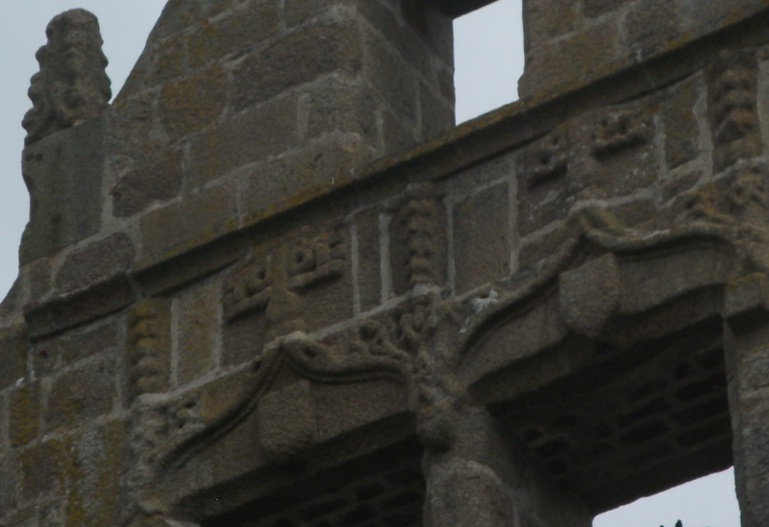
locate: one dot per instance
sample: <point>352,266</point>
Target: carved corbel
<point>590,294</point>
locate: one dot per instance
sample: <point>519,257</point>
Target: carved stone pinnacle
<point>72,85</point>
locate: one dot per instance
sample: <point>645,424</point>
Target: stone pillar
<point>477,478</point>
<point>746,342</point>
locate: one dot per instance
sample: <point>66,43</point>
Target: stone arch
<point>610,369</point>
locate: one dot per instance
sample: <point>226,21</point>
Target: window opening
<point>488,58</point>
<point>709,501</point>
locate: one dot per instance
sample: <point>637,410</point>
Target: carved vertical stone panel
<point>549,159</point>
<point>732,107</point>
<point>482,237</point>
<point>72,84</point>
<point>424,244</point>
<point>418,239</point>
<point>149,339</point>
<point>620,157</point>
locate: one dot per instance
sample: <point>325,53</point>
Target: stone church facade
<point>272,285</point>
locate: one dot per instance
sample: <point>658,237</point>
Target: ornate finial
<point>72,84</point>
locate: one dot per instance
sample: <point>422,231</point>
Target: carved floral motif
<point>620,129</point>
<point>549,159</point>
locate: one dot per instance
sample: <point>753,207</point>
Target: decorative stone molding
<point>72,85</point>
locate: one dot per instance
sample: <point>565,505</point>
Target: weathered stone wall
<point>570,43</point>
<point>270,312</point>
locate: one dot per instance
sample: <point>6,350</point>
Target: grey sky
<point>489,59</point>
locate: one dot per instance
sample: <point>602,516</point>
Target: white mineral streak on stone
<point>481,303</point>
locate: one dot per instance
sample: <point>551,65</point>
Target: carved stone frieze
<point>273,284</point>
<point>310,262</point>
<point>167,430</point>
<point>72,85</point>
<point>394,344</point>
<point>738,203</point>
<point>249,291</point>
